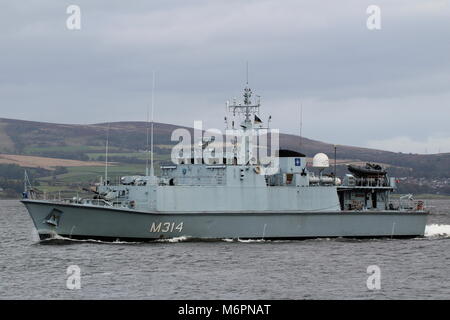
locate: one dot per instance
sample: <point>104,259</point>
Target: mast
<point>25,178</point>
<point>26,184</point>
<point>106,155</point>
<point>301,125</point>
<point>335,163</point>
<point>152,169</point>
<point>147,145</point>
<point>249,111</point>
<point>247,96</point>
<point>247,73</point>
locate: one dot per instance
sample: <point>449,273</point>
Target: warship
<point>234,197</point>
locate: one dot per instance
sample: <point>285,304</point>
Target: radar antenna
<point>248,109</point>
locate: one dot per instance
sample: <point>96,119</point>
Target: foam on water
<point>416,270</point>
<point>431,231</point>
<point>244,240</point>
<point>174,240</point>
<point>437,230</point>
<point>57,237</point>
<point>251,240</point>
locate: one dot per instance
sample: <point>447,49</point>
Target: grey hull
<point>93,222</point>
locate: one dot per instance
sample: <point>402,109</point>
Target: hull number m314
<point>166,227</point>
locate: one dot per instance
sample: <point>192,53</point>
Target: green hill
<point>127,142</point>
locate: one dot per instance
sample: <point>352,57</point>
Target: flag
<point>257,120</point>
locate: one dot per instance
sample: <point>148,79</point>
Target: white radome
<point>321,160</point>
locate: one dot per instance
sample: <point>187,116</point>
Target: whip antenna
<point>147,146</point>
<point>247,72</point>
<point>152,170</point>
<point>106,155</point>
<point>301,124</point>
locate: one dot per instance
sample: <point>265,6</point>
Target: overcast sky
<point>386,89</point>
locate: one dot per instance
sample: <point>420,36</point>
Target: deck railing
<point>407,203</point>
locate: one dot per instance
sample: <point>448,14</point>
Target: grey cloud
<point>317,52</point>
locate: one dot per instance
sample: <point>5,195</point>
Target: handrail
<point>409,205</point>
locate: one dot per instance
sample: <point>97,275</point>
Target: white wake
<point>56,237</point>
<point>174,239</point>
<point>437,230</point>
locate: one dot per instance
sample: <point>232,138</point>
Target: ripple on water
<point>225,269</point>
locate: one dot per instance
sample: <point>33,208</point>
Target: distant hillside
<point>128,139</point>
<point>401,164</point>
<point>84,142</point>
<point>45,148</point>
